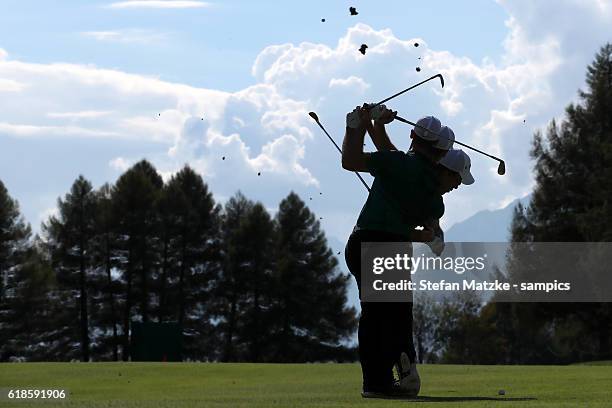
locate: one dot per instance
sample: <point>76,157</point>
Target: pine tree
<point>190,260</point>
<point>571,203</point>
<point>105,287</point>
<point>256,232</point>
<point>310,298</point>
<point>229,296</point>
<point>33,293</point>
<point>70,238</point>
<point>595,118</point>
<point>134,199</point>
<point>15,235</point>
<point>571,198</point>
<point>167,206</point>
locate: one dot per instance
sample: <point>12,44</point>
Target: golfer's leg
<point>389,334</point>
<point>370,335</point>
<point>405,343</point>
<point>372,347</point>
<point>403,315</point>
<point>352,256</point>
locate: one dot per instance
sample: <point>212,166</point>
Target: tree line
<point>243,285</point>
<point>571,202</point>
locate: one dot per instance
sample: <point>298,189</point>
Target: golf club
<point>501,169</point>
<point>407,89</point>
<point>316,118</point>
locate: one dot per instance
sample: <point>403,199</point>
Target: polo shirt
<point>403,194</point>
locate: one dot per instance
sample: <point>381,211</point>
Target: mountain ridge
<point>486,225</point>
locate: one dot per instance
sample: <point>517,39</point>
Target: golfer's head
<point>431,139</point>
<point>453,170</point>
<point>444,143</point>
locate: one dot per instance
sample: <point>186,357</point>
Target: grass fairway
<point>303,385</point>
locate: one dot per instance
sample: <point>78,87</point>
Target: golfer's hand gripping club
<point>380,113</point>
<point>353,120</point>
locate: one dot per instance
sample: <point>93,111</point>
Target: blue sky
<point>215,46</point>
<point>90,87</point>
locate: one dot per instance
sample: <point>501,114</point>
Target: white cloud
<point>128,36</point>
<point>59,94</point>
<point>90,114</point>
<point>47,213</point>
<point>9,85</point>
<point>3,54</point>
<point>20,130</point>
<point>350,82</point>
<point>257,126</point>
<point>159,4</point>
<point>120,164</point>
<point>238,122</point>
<point>283,156</point>
<point>161,127</point>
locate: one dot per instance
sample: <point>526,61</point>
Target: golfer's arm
<point>434,224</point>
<point>379,136</point>
<point>419,236</point>
<point>353,157</point>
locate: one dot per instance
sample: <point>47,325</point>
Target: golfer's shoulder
<point>395,156</point>
<point>388,154</point>
<point>385,159</point>
<point>416,162</point>
<point>407,163</point>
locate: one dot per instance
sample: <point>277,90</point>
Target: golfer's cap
<point>446,139</point>
<point>458,161</point>
<point>432,124</point>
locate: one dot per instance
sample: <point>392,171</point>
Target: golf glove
<point>377,111</point>
<point>437,245</point>
<point>353,120</point>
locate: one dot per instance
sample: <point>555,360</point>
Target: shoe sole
<point>380,395</point>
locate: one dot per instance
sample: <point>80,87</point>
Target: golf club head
<point>441,80</point>
<point>501,169</point>
<point>314,116</point>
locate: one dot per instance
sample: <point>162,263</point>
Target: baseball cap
<point>432,124</point>
<point>446,139</point>
<point>458,161</point>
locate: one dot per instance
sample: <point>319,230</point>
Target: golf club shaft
<point>340,150</point>
<point>459,143</point>
<point>407,89</point>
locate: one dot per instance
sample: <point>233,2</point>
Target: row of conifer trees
<point>243,285</point>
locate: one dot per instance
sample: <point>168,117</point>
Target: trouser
<point>385,328</point>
